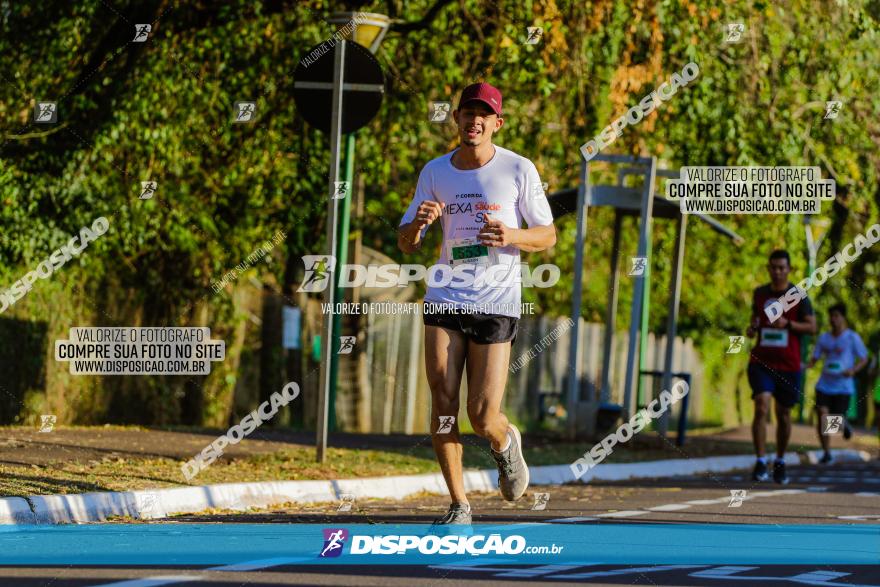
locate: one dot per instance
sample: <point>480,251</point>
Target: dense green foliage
<point>162,110</point>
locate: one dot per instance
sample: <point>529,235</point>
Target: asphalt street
<point>844,494</point>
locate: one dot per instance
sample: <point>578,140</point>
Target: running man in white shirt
<point>480,193</point>
<point>844,355</point>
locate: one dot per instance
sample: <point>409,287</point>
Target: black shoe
<point>826,459</point>
<point>847,431</point>
<point>760,472</point>
<point>779,473</point>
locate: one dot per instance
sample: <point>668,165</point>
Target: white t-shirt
<point>509,188</point>
<point>840,354</point>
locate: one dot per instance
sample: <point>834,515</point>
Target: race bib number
<point>468,251</point>
<point>774,337</point>
<point>834,367</point>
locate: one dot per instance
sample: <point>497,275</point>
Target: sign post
<point>330,292</point>
<point>339,92</point>
<point>814,241</point>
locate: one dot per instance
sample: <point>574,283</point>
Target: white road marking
<point>623,514</point>
<point>817,489</point>
<point>670,507</point>
<point>618,572</point>
<point>726,499</point>
<point>478,565</point>
<point>482,566</point>
<point>724,571</point>
<point>820,577</point>
<point>572,520</point>
<point>170,579</point>
<point>537,571</point>
<point>673,507</point>
<point>469,565</point>
<point>523,525</point>
<point>862,517</point>
<point>154,581</point>
<point>866,494</point>
<point>258,564</point>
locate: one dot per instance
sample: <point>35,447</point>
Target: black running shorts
<point>478,327</point>
<point>837,403</point>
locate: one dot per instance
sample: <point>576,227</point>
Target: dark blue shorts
<point>784,385</point>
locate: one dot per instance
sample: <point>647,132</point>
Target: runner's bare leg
<point>445,352</point>
<point>821,412</point>
<point>783,428</point>
<point>759,423</point>
<point>487,366</point>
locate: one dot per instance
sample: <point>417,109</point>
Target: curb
<point>161,503</point>
<point>16,510</point>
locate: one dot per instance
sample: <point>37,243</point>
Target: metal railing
<point>682,415</point>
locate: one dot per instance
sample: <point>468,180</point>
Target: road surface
<point>842,495</point>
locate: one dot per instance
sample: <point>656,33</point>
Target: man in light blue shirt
<point>844,355</point>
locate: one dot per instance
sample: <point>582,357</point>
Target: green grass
<point>293,463</point>
<point>297,462</point>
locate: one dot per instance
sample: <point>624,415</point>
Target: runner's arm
<point>755,322</point>
<point>422,211</point>
<point>857,367</point>
<point>752,330</point>
<point>862,353</point>
<point>497,234</point>
<point>409,235</point>
<point>817,354</point>
<point>806,326</point>
<point>806,322</point>
<point>535,210</point>
<point>536,238</point>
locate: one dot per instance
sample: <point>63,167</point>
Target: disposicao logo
<point>394,544</point>
<point>334,540</point>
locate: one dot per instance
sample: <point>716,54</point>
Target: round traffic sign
<point>363,86</point>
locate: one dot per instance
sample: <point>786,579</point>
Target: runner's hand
<point>494,233</point>
<point>752,330</point>
<point>428,212</point>
<point>778,323</point>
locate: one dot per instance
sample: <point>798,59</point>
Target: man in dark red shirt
<point>775,363</point>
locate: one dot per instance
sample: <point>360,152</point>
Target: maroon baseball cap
<point>483,92</point>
